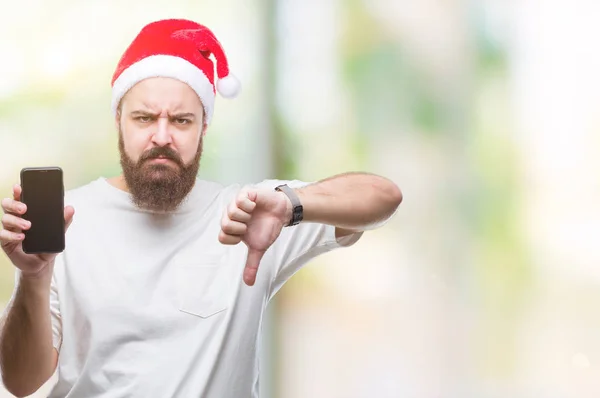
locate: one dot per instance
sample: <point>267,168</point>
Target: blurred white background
<point>485,112</point>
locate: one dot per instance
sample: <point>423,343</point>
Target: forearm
<point>27,356</point>
<point>354,201</point>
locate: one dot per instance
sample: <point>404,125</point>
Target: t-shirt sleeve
<point>55,317</point>
<point>297,245</point>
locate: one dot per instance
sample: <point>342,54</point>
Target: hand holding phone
<point>35,220</point>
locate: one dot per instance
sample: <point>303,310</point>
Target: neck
<point>118,182</point>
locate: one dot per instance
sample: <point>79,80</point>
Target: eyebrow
<point>187,115</point>
<point>140,112</point>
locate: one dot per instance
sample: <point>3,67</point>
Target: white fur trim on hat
<point>165,66</point>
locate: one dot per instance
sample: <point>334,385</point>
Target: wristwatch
<point>297,210</point>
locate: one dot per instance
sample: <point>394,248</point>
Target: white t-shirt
<point>148,305</point>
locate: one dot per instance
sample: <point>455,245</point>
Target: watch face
<point>297,215</point>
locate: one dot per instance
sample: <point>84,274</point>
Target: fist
<point>256,218</point>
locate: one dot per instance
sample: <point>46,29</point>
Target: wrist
<point>289,209</point>
<point>41,276</point>
<point>294,209</point>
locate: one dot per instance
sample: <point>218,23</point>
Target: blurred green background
<point>484,112</point>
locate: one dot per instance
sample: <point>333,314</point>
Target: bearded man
<point>154,296</point>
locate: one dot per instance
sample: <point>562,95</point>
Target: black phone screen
<point>42,192</point>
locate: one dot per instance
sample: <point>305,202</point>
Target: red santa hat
<point>179,49</point>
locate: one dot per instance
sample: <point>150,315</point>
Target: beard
<point>159,187</point>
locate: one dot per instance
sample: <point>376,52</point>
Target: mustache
<point>161,151</point>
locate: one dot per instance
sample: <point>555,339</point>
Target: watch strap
<point>297,210</point>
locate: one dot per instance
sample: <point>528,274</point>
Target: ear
<point>204,129</point>
<point>118,118</point>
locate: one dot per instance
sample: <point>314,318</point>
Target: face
<point>161,127</point>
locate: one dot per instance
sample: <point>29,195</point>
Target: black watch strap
<point>297,210</point>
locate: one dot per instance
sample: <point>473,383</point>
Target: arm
<point>27,356</point>
<point>351,202</point>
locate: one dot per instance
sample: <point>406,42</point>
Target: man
<point>153,295</point>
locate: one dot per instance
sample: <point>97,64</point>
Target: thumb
<point>252,263</point>
<point>69,212</point>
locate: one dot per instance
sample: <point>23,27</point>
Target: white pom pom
<point>229,86</point>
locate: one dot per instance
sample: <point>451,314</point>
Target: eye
<point>182,121</point>
<point>143,119</point>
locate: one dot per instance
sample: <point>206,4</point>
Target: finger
<point>244,202</point>
<point>229,239</point>
<point>13,206</point>
<point>236,214</point>
<point>10,236</point>
<point>252,195</point>
<point>252,263</point>
<point>14,223</point>
<point>69,213</point>
<point>17,192</point>
<point>234,227</point>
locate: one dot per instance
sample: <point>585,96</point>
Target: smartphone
<point>43,193</point>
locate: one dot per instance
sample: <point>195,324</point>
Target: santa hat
<point>179,49</point>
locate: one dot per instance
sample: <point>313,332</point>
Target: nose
<point>162,135</point>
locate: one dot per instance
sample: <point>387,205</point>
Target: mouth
<point>161,160</point>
